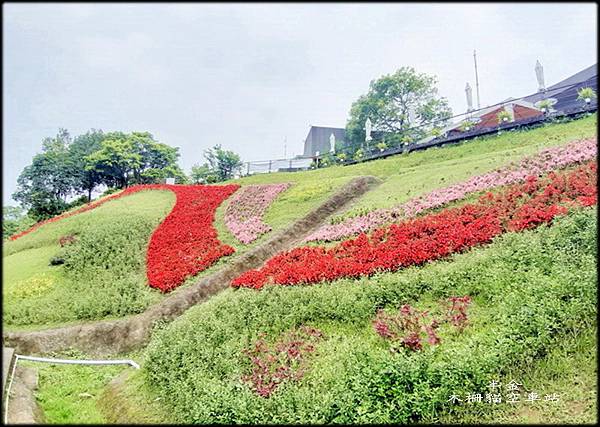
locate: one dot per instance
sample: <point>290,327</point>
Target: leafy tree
<point>81,147</point>
<point>136,158</point>
<point>43,186</point>
<point>115,161</point>
<point>67,167</point>
<point>12,213</point>
<point>222,163</point>
<point>203,174</point>
<point>388,103</point>
<point>34,195</point>
<point>156,175</point>
<point>56,164</point>
<point>14,220</point>
<point>153,156</point>
<point>323,161</point>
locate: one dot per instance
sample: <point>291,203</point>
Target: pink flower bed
<point>538,164</point>
<point>435,235</point>
<point>244,215</point>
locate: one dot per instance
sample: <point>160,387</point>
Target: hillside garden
<point>468,264</point>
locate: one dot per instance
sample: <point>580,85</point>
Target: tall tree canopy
<point>68,167</point>
<point>220,165</point>
<point>136,158</point>
<point>202,174</point>
<point>43,186</point>
<point>394,104</point>
<point>81,147</point>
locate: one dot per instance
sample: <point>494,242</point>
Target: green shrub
<point>79,201</point>
<point>586,93</point>
<point>103,274</point>
<point>115,246</point>
<point>110,190</point>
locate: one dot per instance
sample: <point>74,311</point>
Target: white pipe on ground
<point>81,362</point>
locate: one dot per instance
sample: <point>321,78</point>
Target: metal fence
<point>277,165</point>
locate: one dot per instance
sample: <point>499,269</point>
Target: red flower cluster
<point>186,243</point>
<point>432,236</point>
<point>577,187</point>
<point>457,311</point>
<point>285,361</point>
<point>407,327</point>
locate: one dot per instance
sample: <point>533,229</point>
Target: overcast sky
<point>248,76</point>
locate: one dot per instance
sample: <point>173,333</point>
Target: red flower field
<point>413,242</point>
<point>186,242</point>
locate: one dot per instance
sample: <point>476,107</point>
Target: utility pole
<point>476,78</point>
<point>284,146</point>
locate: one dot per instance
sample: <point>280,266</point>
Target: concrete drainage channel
<point>23,408</point>
<point>118,336</point>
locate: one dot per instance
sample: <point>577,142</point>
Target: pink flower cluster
<point>244,214</point>
<point>544,161</point>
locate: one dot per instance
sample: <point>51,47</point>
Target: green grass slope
<point>68,393</point>
<point>404,176</point>
<point>410,175</point>
<point>105,272</point>
<point>106,281</point>
<point>533,316</point>
<point>532,291</point>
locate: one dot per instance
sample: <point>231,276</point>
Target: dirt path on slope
<point>116,336</point>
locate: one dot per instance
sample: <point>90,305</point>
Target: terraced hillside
<point>114,235</point>
<point>383,326</point>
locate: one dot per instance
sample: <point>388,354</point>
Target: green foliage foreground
<point>530,291</point>
<point>103,274</point>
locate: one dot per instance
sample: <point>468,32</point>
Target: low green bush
<point>528,289</point>
<point>103,274</point>
<point>79,201</point>
<point>110,191</point>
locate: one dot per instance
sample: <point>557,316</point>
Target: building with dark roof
<point>318,140</point>
<point>564,94</point>
<point>565,91</point>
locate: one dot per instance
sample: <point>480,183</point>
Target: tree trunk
<point>89,195</point>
